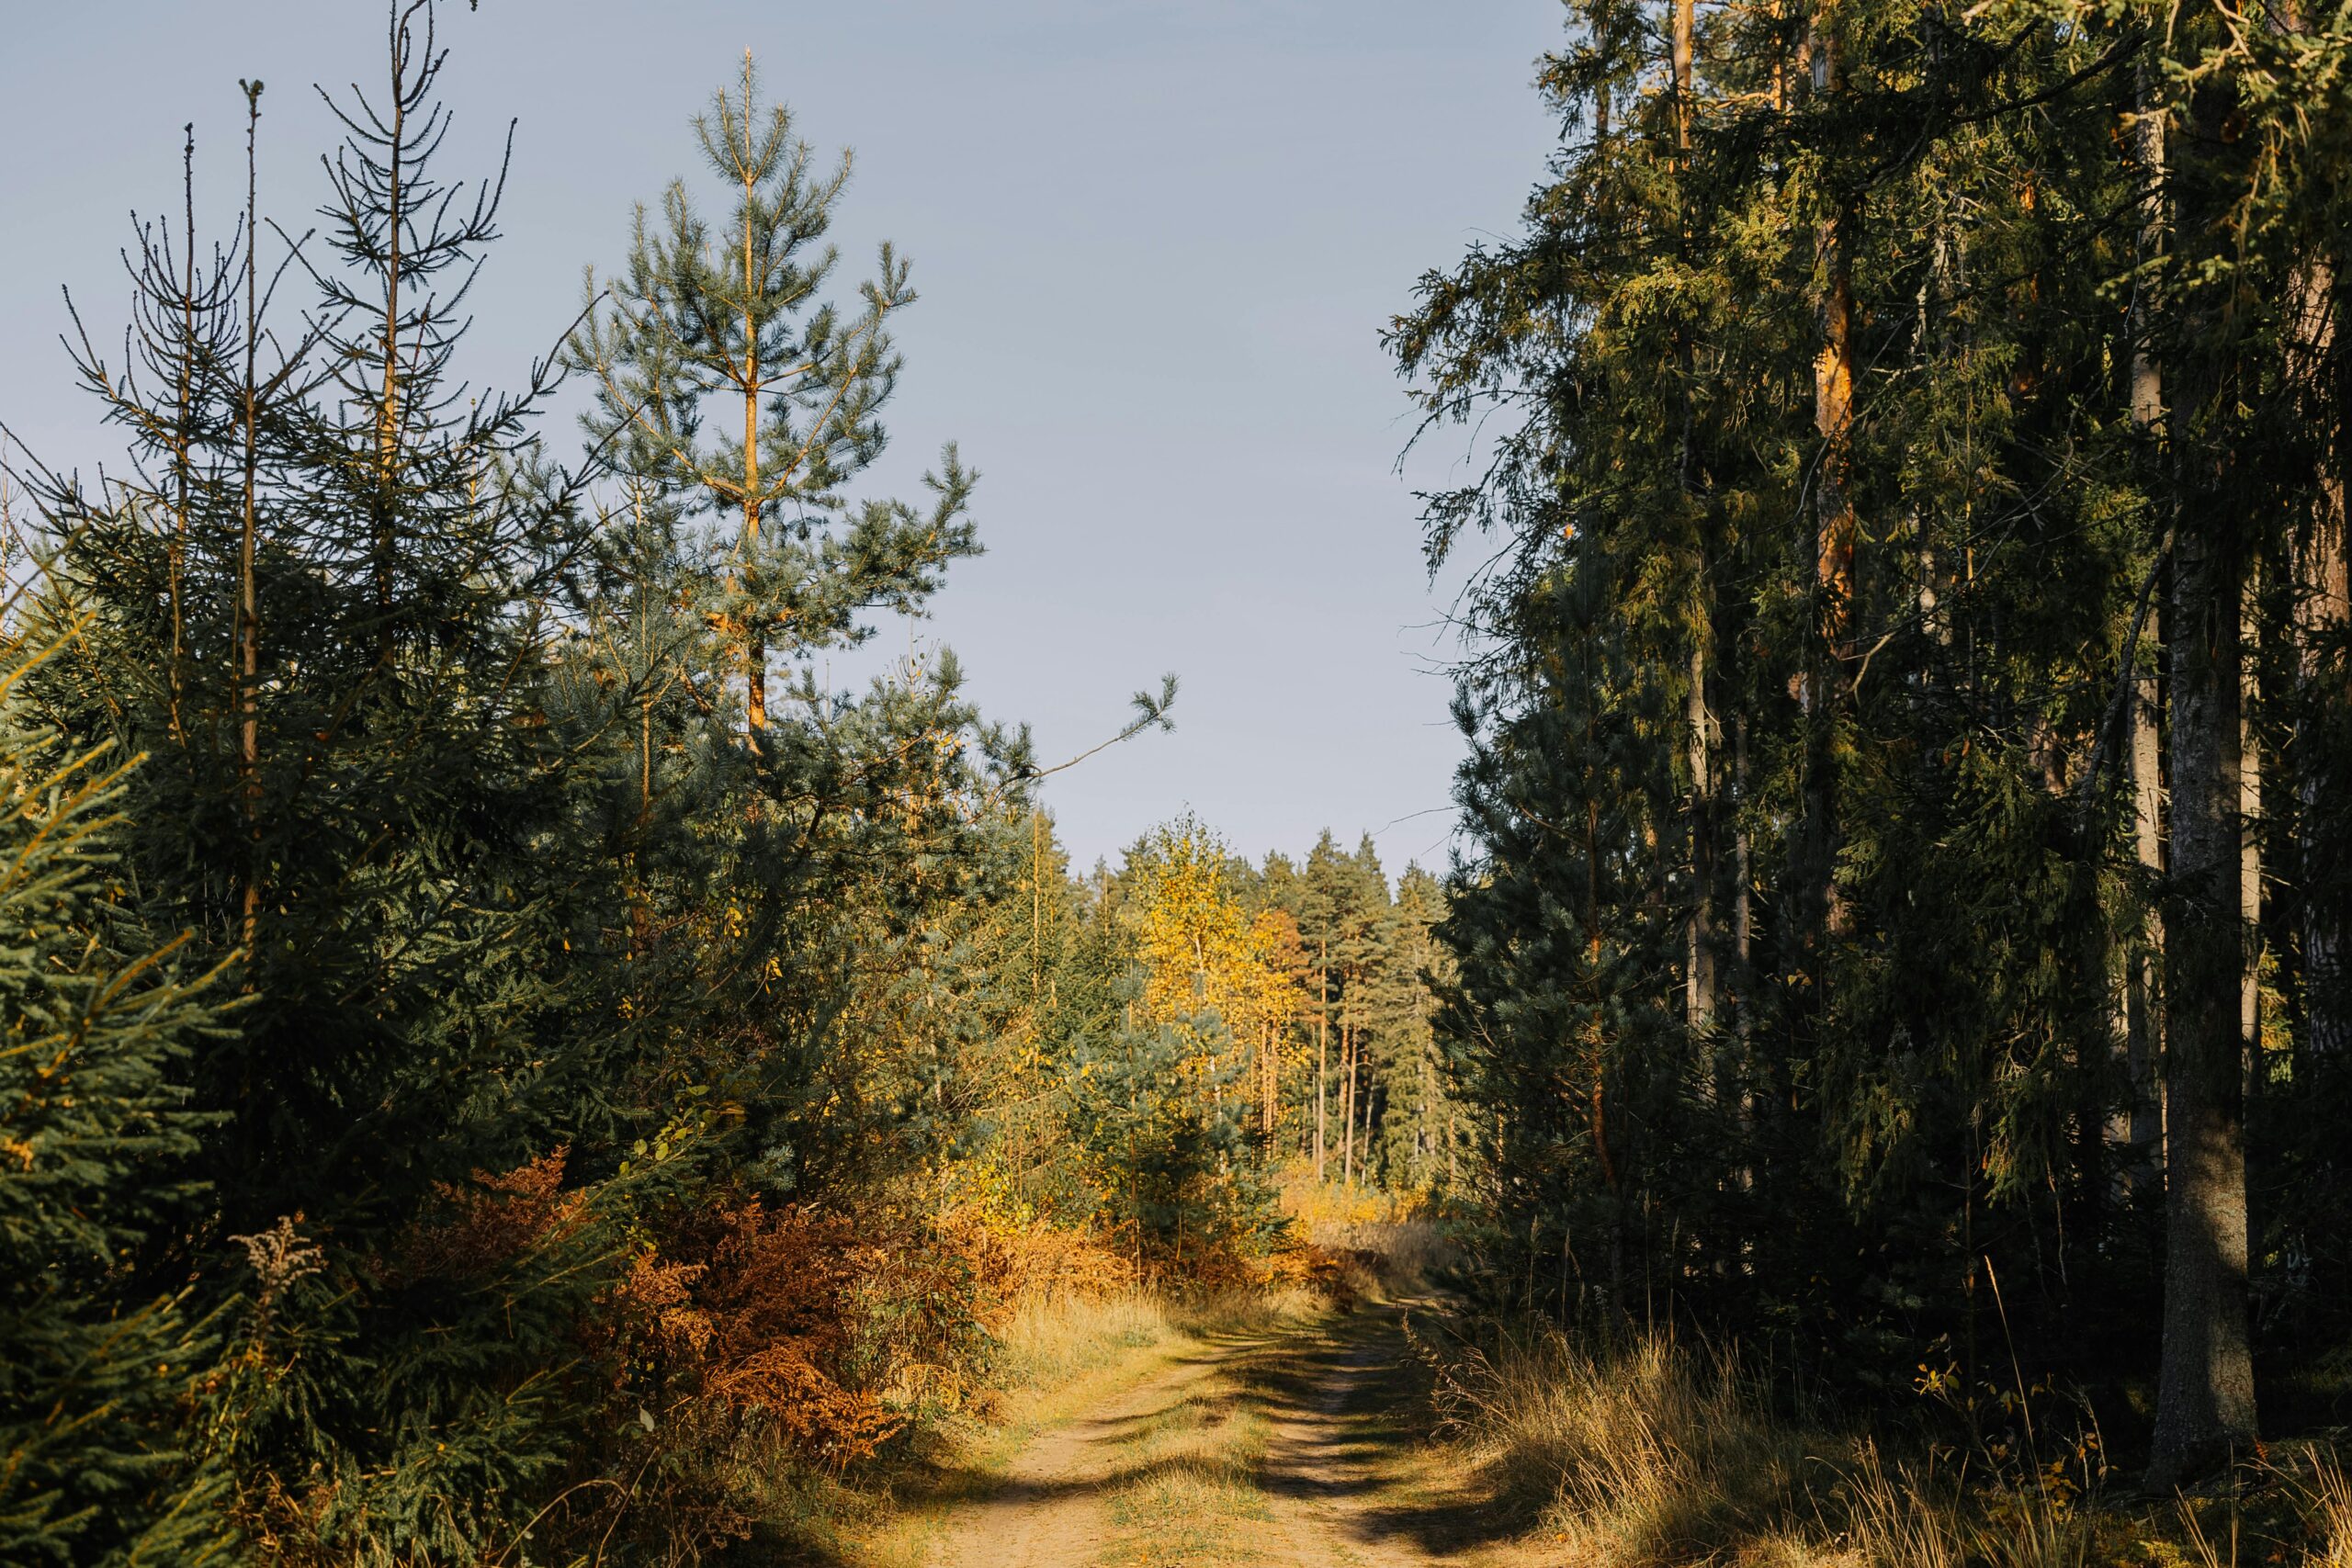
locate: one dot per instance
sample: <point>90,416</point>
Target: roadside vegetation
<point>1626,1449</point>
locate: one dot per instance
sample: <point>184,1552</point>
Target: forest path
<point>1297,1450</point>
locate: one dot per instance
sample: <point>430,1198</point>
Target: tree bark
<point>1348,1102</point>
<point>1322,1053</point>
<point>2322,604</point>
<point>2144,949</point>
<point>246,683</point>
<point>1702,979</point>
<point>1701,982</point>
<point>1742,906</point>
<point>755,650</point>
<point>1833,539</point>
<point>2205,1405</point>
<point>2249,832</point>
<point>2143,946</point>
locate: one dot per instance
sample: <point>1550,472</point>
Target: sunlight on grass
<point>1194,1472</point>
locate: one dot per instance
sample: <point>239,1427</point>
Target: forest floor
<point>1300,1445</point>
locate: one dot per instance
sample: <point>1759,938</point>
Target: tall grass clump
<point>2282,1507</point>
<point>1631,1455</point>
<point>1047,1341</point>
<point>1906,1516</point>
<point>1646,1452</point>
<point>2331,1497</point>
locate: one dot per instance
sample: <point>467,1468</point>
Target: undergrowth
<point>1646,1452</point>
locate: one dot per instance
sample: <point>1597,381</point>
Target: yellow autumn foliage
<point>1203,951</point>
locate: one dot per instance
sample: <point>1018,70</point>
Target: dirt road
<point>1297,1448</point>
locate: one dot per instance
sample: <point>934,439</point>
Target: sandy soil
<point>1052,1507</point>
<point>1294,1452</point>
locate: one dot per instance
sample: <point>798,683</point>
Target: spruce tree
<point>324,600</point>
<point>101,1355</point>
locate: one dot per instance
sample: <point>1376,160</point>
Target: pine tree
<point>728,322</point>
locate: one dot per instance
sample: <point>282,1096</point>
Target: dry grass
<point>1049,1341</point>
<point>2329,1496</point>
<point>1646,1456</point>
<point>1193,1481</point>
<point>1062,1352</point>
<point>1654,1455</point>
<point>1917,1519</point>
<point>1410,1247</point>
<point>2316,1496</point>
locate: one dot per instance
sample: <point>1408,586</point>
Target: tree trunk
<point>1833,539</point>
<point>1322,1053</point>
<point>2143,946</point>
<point>2144,949</point>
<point>1270,1064</point>
<point>247,684</point>
<point>2249,832</point>
<point>388,411</point>
<point>2322,604</point>
<point>1743,906</point>
<point>1348,1102</point>
<point>183,438</point>
<point>755,650</point>
<point>1702,983</point>
<point>1701,980</point>
<point>2205,1405</point>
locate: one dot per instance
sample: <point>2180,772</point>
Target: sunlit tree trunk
<point>2142,1022</point>
<point>1347,1101</point>
<point>2205,1398</point>
<point>2142,1019</point>
<point>1322,1052</point>
<point>1833,536</point>
<point>755,653</point>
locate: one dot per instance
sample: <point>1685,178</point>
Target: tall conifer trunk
<point>1269,1062</point>
<point>2322,604</point>
<point>1348,1102</point>
<point>2142,1025</point>
<point>2205,1399</point>
<point>388,407</point>
<point>2249,826</point>
<point>184,439</point>
<point>1833,536</point>
<point>2142,1019</point>
<point>246,681</point>
<point>1701,979</point>
<point>1743,899</point>
<point>755,652</point>
<point>1322,1050</point>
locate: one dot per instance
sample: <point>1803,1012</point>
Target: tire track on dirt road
<point>1299,1449</point>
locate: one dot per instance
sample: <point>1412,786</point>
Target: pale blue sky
<point>1156,240</point>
